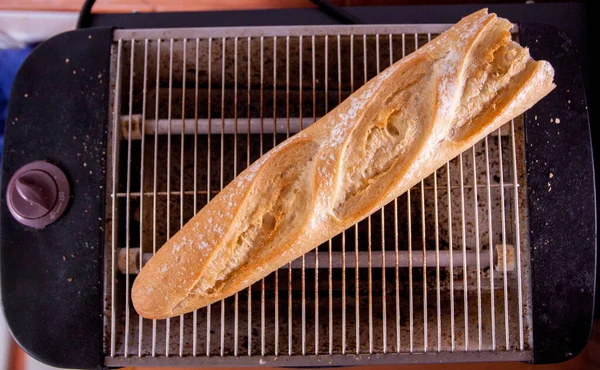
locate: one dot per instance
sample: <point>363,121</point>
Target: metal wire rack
<point>441,271</point>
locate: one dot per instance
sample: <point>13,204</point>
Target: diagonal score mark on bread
<point>266,216</point>
<point>395,130</point>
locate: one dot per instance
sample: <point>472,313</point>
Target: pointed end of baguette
<point>144,300</point>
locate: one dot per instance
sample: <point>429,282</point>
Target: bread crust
<point>394,131</point>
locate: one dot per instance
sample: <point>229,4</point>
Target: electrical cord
<point>85,14</point>
<point>336,12</point>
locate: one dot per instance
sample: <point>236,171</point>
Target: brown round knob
<point>37,194</point>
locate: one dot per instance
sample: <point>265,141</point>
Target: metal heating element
<point>442,270</point>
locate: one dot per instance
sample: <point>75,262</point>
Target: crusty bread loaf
<point>391,133</point>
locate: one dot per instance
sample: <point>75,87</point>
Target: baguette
<point>394,131</point>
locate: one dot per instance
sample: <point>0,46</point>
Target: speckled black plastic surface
<point>51,278</point>
<point>561,203</point>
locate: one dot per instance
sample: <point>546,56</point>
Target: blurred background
<point>25,23</point>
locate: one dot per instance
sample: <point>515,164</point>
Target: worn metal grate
<point>440,270</point>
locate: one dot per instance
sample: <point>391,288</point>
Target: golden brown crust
<point>395,130</point>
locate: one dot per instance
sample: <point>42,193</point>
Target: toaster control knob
<point>37,194</point>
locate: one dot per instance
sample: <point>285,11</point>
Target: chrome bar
<point>150,126</point>
<point>300,65</point>
<point>274,144</point>
<point>477,249</point>
<point>195,314</point>
<point>490,242</point>
<point>356,275</point>
<point>287,110</point>
<point>397,277</point>
<point>517,235</point>
<point>116,106</point>
<point>339,70</point>
<point>136,194</point>
<point>504,269</point>
<point>370,284</point>
<point>363,260</point>
<point>208,174</point>
<point>410,273</point>
<point>249,323</point>
<point>235,173</point>
<point>181,176</point>
<point>464,249</point>
<point>262,318</point>
<point>128,201</point>
<point>382,212</point>
<point>330,297</point>
<point>155,180</point>
<point>142,156</point>
<point>410,259</point>
<point>329,280</point>
<point>336,360</point>
<point>437,263</point>
<point>314,110</point>
<point>222,171</point>
<point>396,247</point>
<point>450,248</point>
<point>168,216</point>
<point>262,89</point>
<point>424,244</point>
<point>331,30</point>
<point>370,270</point>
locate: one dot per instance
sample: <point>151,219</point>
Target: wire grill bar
<point>450,247</point>
<point>208,174</point>
<point>300,84</point>
<point>382,212</point>
<point>424,243</point>
<point>247,165</point>
<point>314,105</point>
<point>490,239</point>
<point>262,293</point>
<point>464,246</point>
<point>517,237</point>
<point>142,155</point>
<point>222,160</point>
<point>276,273</point>
<point>113,241</point>
<point>181,185</point>
<point>370,269</point>
<point>155,178</point>
<point>378,258</point>
<point>235,172</point>
<point>197,59</point>
<point>477,249</point>
<point>128,204</point>
<point>463,220</point>
<point>339,70</point>
<point>330,278</point>
<point>437,264</point>
<point>287,114</point>
<point>504,270</point>
<point>149,194</point>
<point>410,273</point>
